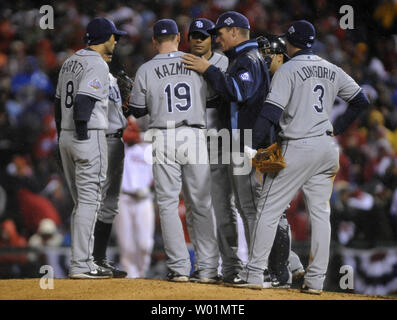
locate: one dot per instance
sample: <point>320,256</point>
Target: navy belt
<point>117,134</point>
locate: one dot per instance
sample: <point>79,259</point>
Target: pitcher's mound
<point>150,289</point>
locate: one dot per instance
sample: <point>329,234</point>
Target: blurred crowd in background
<point>35,205</point>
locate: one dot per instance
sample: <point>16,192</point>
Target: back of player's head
<point>99,30</point>
<point>301,34</point>
<point>165,29</point>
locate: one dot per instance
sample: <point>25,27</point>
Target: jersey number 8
<point>181,91</point>
<point>69,94</point>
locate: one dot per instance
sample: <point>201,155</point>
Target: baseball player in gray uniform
<point>81,113</point>
<point>221,191</point>
<point>111,189</point>
<point>175,99</point>
<point>301,97</point>
<point>284,264</point>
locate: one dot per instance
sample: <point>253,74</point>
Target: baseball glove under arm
<point>269,160</point>
<point>125,84</point>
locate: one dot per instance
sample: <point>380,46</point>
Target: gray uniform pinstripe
<point>84,162</point>
<point>305,88</point>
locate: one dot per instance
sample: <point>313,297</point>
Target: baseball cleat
<point>270,281</point>
<point>306,289</point>
<point>240,283</point>
<point>196,278</point>
<point>100,273</point>
<point>117,273</point>
<point>275,284</point>
<point>176,277</point>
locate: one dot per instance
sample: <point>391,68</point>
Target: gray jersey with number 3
<point>170,92</point>
<point>306,88</point>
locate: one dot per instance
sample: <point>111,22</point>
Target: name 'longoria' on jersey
<point>316,71</point>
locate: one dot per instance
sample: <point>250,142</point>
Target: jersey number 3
<point>180,91</point>
<point>319,108</point>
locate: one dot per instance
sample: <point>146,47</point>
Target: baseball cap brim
<point>204,32</point>
<point>119,32</point>
<point>212,31</point>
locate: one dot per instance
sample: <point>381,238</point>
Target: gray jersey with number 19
<point>170,92</point>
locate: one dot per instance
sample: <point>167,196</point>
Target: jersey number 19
<point>180,91</point>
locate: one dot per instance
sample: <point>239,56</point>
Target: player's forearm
<point>357,105</point>
<point>269,116</point>
<point>82,110</point>
<point>81,129</point>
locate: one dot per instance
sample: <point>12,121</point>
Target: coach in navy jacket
<point>246,82</point>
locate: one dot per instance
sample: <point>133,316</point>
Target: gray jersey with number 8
<point>84,73</point>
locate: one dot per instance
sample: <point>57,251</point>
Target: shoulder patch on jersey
<point>95,84</point>
<point>245,76</point>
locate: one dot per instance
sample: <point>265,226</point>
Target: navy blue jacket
<point>243,86</point>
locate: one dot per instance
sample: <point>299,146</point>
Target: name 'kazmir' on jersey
<point>306,90</point>
<point>170,92</point>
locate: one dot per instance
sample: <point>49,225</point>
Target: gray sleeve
<point>347,87</point>
<point>138,94</point>
<point>280,89</point>
<point>95,82</point>
<point>58,90</point>
<point>222,63</point>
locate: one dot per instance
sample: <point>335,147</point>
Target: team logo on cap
<point>229,21</point>
<point>199,24</point>
<point>245,76</point>
<point>164,31</point>
<point>291,29</point>
<point>95,84</point>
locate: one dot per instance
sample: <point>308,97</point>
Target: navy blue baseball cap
<point>201,25</point>
<point>301,34</point>
<point>231,19</point>
<point>99,30</point>
<point>165,26</point>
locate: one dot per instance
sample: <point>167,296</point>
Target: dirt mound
<point>150,289</point>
